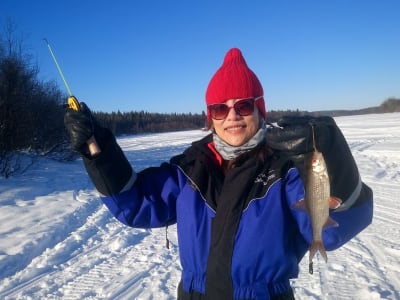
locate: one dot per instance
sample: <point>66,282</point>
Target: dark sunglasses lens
<point>219,111</point>
<point>244,107</point>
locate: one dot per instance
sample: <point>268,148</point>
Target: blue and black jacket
<point>239,237</point>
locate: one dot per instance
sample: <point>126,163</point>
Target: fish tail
<point>318,246</point>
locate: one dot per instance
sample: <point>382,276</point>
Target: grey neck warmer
<point>229,152</point>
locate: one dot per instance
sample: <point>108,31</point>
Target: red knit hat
<point>234,80</point>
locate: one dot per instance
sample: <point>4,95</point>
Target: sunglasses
<point>243,108</point>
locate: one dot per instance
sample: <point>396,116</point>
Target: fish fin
<point>323,252</point>
<point>299,205</point>
<point>334,202</point>
<point>318,246</point>
<point>313,250</point>
<point>330,223</point>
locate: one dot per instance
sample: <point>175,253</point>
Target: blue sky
<point>158,56</point>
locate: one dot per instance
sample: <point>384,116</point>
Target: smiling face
<point>234,129</point>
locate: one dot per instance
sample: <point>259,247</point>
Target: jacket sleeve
<point>295,139</point>
<point>351,221</point>
<point>151,201</point>
<point>145,199</point>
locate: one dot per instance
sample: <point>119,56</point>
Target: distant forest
<point>32,112</point>
<point>389,105</point>
<point>144,122</point>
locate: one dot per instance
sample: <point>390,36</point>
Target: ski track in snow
<point>59,242</point>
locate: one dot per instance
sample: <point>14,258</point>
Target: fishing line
<point>58,67</point>
<point>72,101</point>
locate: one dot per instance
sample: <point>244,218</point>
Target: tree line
<point>30,109</point>
<point>122,123</point>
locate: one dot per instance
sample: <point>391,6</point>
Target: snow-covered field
<point>57,241</point>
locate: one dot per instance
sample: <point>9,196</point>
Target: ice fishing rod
<point>72,101</point>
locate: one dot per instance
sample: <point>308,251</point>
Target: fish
<point>317,202</point>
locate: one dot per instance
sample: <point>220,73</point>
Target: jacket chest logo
<point>265,179</point>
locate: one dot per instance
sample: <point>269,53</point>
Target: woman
<point>232,193</point>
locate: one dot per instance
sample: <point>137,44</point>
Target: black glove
<point>294,139</point>
<point>109,171</point>
<point>81,126</point>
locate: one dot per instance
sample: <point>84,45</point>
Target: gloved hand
<point>294,139</point>
<point>81,126</point>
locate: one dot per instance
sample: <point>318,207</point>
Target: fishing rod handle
<point>73,103</point>
<point>94,148</point>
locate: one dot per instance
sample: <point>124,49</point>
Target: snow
<point>57,241</point>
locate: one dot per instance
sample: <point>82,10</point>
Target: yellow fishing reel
<point>73,103</point>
